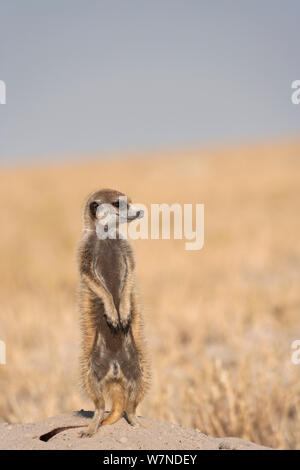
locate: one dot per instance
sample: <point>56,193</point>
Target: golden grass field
<point>219,322</point>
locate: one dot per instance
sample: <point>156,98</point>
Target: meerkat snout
<point>117,211</point>
<point>134,213</point>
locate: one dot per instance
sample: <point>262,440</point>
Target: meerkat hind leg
<point>96,421</point>
<point>133,400</point>
<point>130,413</point>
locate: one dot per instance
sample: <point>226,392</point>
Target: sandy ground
<point>149,435</point>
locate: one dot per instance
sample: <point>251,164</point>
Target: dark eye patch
<point>93,208</point>
<point>116,204</point>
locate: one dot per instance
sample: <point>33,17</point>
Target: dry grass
<point>219,322</point>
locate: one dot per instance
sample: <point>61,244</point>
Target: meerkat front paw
<point>112,320</point>
<point>125,316</point>
<point>112,323</point>
<point>125,324</point>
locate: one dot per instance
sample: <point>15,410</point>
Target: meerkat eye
<point>93,208</point>
<point>116,204</point>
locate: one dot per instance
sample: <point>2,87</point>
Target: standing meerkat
<point>113,358</point>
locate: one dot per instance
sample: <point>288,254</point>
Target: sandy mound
<point>150,434</point>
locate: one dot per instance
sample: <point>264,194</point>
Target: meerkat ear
<point>93,208</point>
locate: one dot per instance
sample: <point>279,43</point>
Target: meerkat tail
<point>118,403</point>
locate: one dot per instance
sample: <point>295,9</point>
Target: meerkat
<point>114,363</point>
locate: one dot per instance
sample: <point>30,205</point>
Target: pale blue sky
<point>136,75</point>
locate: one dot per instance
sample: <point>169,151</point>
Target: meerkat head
<point>108,208</point>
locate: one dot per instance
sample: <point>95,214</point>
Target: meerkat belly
<point>115,356</point>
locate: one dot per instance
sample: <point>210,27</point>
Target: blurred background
<point>167,101</point>
<point>134,76</point>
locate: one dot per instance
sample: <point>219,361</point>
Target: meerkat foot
<point>85,434</point>
<point>89,432</point>
<point>133,420</point>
